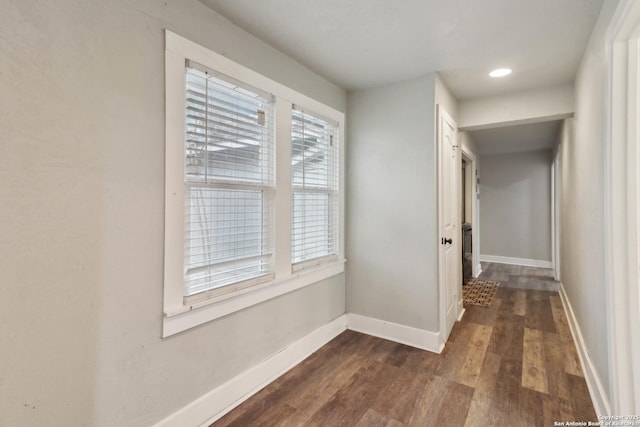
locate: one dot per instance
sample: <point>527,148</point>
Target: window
<point>254,198</point>
<point>314,179</point>
<point>228,183</point>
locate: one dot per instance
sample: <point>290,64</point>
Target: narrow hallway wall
<point>582,157</point>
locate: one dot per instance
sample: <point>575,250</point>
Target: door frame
<point>622,206</point>
<point>475,214</point>
<point>442,284</point>
<point>556,197</point>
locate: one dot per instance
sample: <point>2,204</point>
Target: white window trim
<point>179,316</point>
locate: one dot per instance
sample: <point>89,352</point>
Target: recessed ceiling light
<point>500,72</point>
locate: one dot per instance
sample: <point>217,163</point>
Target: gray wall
<point>391,221</point>
<point>445,98</point>
<point>515,205</point>
<point>581,155</point>
<point>82,190</point>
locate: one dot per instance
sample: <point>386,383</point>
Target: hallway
<point>514,363</point>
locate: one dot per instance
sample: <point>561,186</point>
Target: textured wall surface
<point>82,190</point>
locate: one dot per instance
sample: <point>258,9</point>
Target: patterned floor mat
<point>479,292</point>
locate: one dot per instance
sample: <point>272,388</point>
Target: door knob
<point>444,241</point>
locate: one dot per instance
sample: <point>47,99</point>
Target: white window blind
<point>314,175</point>
<point>229,162</point>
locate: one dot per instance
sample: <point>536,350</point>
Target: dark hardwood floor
<point>513,364</point>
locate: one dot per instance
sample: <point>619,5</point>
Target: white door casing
<point>475,230</point>
<point>622,207</point>
<point>449,259</point>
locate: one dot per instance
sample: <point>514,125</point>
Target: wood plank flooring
<point>512,364</point>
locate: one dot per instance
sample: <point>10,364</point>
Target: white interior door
<point>450,257</point>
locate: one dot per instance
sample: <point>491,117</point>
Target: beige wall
<point>82,190</point>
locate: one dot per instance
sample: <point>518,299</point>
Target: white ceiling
<point>366,43</point>
<point>510,139</point>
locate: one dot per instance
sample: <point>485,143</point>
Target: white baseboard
<point>516,261</point>
<point>478,270</point>
<point>460,308</point>
<point>221,400</point>
<point>596,389</point>
<point>216,403</point>
<point>414,337</point>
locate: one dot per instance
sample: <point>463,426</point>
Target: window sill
<point>204,311</point>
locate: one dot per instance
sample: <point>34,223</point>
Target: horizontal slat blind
<point>314,176</point>
<point>229,162</point>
